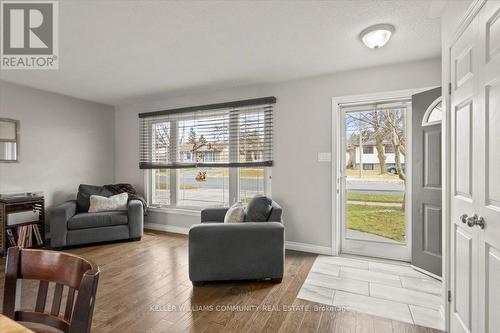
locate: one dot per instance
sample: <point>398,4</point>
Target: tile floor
<point>384,289</point>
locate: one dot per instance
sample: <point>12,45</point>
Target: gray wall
<point>303,127</point>
<point>64,142</point>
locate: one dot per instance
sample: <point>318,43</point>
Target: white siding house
<point>370,156</point>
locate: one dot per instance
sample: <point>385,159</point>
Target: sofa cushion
<point>97,220</point>
<point>84,193</point>
<point>258,209</point>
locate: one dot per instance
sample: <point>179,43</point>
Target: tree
<point>202,141</point>
<point>394,120</point>
<point>162,134</point>
<point>379,134</point>
<point>250,144</point>
<point>371,125</point>
<point>192,137</point>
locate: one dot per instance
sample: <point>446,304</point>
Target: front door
<point>475,175</point>
<point>426,181</point>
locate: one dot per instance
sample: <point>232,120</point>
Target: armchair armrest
<point>59,222</point>
<point>213,214</point>
<point>135,218</point>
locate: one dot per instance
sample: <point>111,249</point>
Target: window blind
<point>233,134</point>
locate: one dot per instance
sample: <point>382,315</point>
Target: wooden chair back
<point>79,275</point>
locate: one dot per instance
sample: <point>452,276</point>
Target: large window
<point>214,191</point>
<point>207,157</point>
<point>389,149</point>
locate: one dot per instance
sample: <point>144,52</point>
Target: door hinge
<point>449,88</point>
<point>449,296</point>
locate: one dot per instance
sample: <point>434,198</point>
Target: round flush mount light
<point>377,36</point>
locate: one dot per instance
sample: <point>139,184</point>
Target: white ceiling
<point>117,51</point>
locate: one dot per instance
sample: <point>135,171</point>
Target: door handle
<point>478,220</point>
<point>473,220</point>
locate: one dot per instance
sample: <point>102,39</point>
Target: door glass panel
<point>434,113</point>
<point>375,147</point>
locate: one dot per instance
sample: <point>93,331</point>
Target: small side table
<point>19,204</point>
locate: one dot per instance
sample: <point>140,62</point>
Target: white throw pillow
<point>235,214</point>
<point>103,204</point>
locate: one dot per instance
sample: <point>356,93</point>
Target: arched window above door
<point>434,113</point>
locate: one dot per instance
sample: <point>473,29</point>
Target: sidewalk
<point>372,203</point>
<point>360,235</point>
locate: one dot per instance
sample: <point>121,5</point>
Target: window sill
<point>178,211</point>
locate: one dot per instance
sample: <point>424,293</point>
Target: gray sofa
<point>250,250</point>
<point>71,224</point>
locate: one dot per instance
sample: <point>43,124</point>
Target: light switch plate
<point>324,157</point>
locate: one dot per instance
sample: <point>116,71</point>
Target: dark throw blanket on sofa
<point>132,193</point>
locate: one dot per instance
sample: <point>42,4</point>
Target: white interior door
<point>475,175</point>
<point>464,240</point>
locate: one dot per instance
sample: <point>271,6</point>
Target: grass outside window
<point>383,221</point>
<point>369,197</point>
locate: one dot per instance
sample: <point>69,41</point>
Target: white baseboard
<point>288,245</point>
<point>441,312</point>
<point>168,228</point>
<point>303,247</point>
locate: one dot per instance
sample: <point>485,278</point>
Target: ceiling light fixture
<point>377,35</point>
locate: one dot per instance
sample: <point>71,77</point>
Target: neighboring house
<point>369,156</point>
<point>206,153</point>
<point>215,152</point>
<point>210,152</point>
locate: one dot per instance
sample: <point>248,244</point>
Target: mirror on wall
<point>9,140</point>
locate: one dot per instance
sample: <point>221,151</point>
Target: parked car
<point>392,169</point>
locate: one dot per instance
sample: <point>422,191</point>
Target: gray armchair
<point>71,224</point>
<point>250,250</point>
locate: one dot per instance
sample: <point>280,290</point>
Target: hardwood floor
<point>144,287</point>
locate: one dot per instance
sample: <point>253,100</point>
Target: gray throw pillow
<point>84,193</point>
<point>258,209</point>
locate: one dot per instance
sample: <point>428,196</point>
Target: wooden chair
<point>81,276</point>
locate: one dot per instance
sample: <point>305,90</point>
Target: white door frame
<point>463,23</point>
<point>337,127</point>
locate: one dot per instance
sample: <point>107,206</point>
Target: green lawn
<point>396,198</point>
<point>384,221</point>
